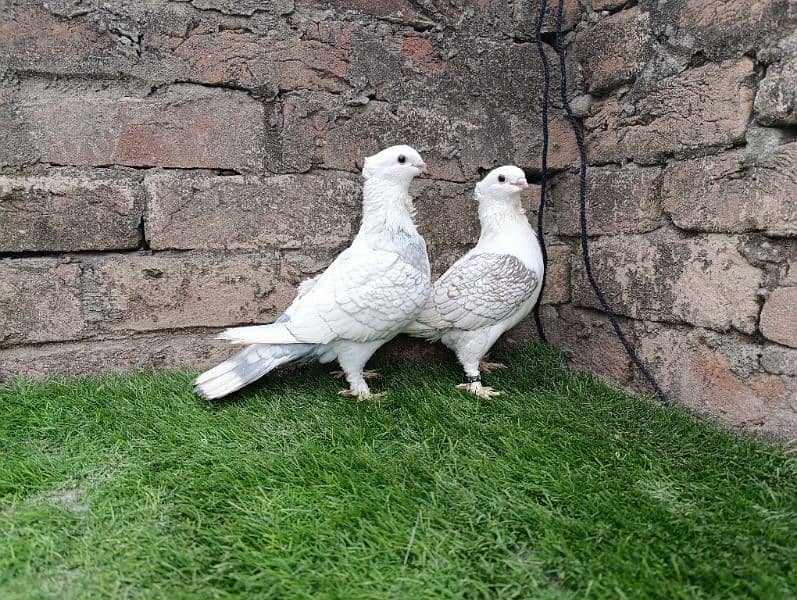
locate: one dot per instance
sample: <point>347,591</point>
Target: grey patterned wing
<point>483,289</point>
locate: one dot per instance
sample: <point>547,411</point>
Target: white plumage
<point>492,287</point>
<point>371,291</point>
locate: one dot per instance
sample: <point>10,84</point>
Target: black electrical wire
<point>582,191</point>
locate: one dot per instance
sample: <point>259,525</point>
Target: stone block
<point>701,108</point>
<point>69,211</point>
<point>717,377</point>
<point>615,49</point>
<point>149,352</point>
<point>719,29</point>
<point>41,301</point>
<point>587,340</point>
<point>619,200</point>
<point>173,291</point>
<point>776,100</point>
<point>725,193</point>
<point>88,43</point>
<point>779,316</point>
<point>702,280</point>
<point>185,126</point>
<point>204,211</point>
<point>557,275</point>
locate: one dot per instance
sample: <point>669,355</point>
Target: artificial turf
<point>130,486</point>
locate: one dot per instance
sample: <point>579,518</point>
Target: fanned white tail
<point>275,333</point>
<point>249,364</point>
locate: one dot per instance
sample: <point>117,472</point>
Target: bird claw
<point>365,396</point>
<point>366,374</point>
<point>489,367</point>
<point>479,390</point>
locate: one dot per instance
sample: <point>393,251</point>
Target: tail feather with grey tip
<point>249,364</point>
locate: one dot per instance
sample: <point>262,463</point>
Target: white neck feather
<point>497,215</point>
<point>386,205</point>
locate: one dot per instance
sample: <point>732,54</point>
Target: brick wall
<point>169,168</point>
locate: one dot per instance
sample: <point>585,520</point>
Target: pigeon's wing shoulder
<point>362,296</point>
<point>481,290</point>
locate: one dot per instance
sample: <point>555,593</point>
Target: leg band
<point>473,379</point>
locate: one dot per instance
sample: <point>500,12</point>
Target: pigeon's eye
<point>501,178</point>
<point>402,159</point>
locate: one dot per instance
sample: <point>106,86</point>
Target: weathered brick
<point>779,316</point>
<point>245,7</point>
<point>726,194</point>
<point>86,44</point>
<point>779,360</point>
<point>598,5</point>
<point>318,129</point>
<point>143,352</point>
<point>68,211</point>
<point>557,274</point>
<point>202,211</point>
<point>619,200</point>
<point>447,219</point>
<point>587,340</point>
<point>721,29</point>
<point>702,280</point>
<point>15,147</point>
<point>253,61</point>
<point>526,137</point>
<point>185,126</point>
<point>704,107</point>
<point>718,377</point>
<point>41,301</point>
<point>615,49</point>
<point>165,291</point>
<point>776,100</point>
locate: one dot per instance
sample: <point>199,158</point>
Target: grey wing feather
<point>478,291</point>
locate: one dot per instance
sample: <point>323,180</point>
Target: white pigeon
<point>369,293</point>
<point>492,287</point>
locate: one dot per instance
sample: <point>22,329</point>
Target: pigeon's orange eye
<point>402,159</point>
<point>501,178</point>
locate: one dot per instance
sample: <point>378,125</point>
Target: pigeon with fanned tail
<point>492,287</point>
<point>369,293</point>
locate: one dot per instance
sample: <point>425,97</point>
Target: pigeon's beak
<point>521,183</point>
<point>422,168</point>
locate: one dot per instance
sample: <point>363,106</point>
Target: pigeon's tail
<point>249,364</point>
<point>276,333</point>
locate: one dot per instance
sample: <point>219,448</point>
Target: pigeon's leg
<point>352,357</point>
<point>470,348</point>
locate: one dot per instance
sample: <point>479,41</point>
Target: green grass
<point>130,486</point>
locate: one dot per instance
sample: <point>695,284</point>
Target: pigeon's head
<point>397,163</point>
<point>503,183</point>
